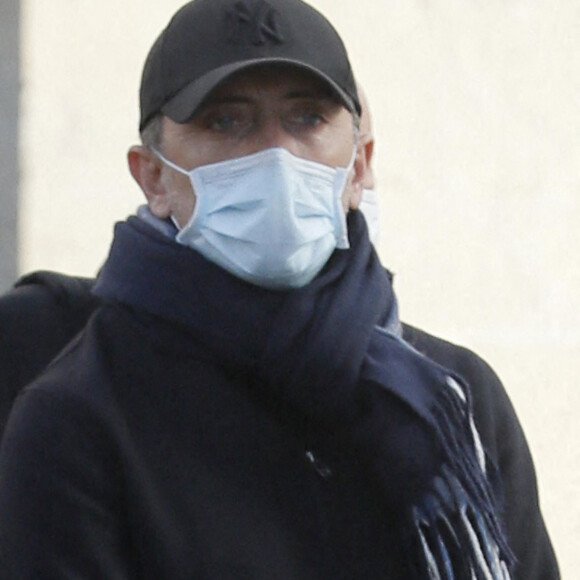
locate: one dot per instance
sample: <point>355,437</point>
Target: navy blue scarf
<point>324,352</point>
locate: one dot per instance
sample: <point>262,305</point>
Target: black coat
<point>330,530</point>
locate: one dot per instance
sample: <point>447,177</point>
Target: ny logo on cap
<point>253,21</point>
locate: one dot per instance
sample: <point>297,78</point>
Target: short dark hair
<point>151,132</point>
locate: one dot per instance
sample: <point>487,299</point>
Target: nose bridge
<point>273,133</point>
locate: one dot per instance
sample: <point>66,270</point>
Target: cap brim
<point>183,106</point>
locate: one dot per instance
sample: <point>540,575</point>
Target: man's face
<point>261,108</point>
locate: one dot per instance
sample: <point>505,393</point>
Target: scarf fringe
<point>458,533</point>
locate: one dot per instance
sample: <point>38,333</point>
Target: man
<point>243,404</point>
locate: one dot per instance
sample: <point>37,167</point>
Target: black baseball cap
<point>206,41</point>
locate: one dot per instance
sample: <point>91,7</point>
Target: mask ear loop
<point>169,163</point>
<point>356,132</point>
<point>177,168</point>
<point>350,165</point>
<point>352,158</point>
<point>342,242</point>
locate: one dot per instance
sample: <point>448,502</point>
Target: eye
<point>311,114</point>
<point>222,122</point>
<point>227,120</point>
<point>311,119</point>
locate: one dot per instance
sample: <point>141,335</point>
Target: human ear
<point>146,169</point>
<point>369,176</point>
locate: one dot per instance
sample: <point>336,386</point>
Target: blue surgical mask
<point>369,206</point>
<point>270,218</point>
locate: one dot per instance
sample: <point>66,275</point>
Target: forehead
<point>285,81</point>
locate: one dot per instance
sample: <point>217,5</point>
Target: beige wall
<point>477,116</point>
